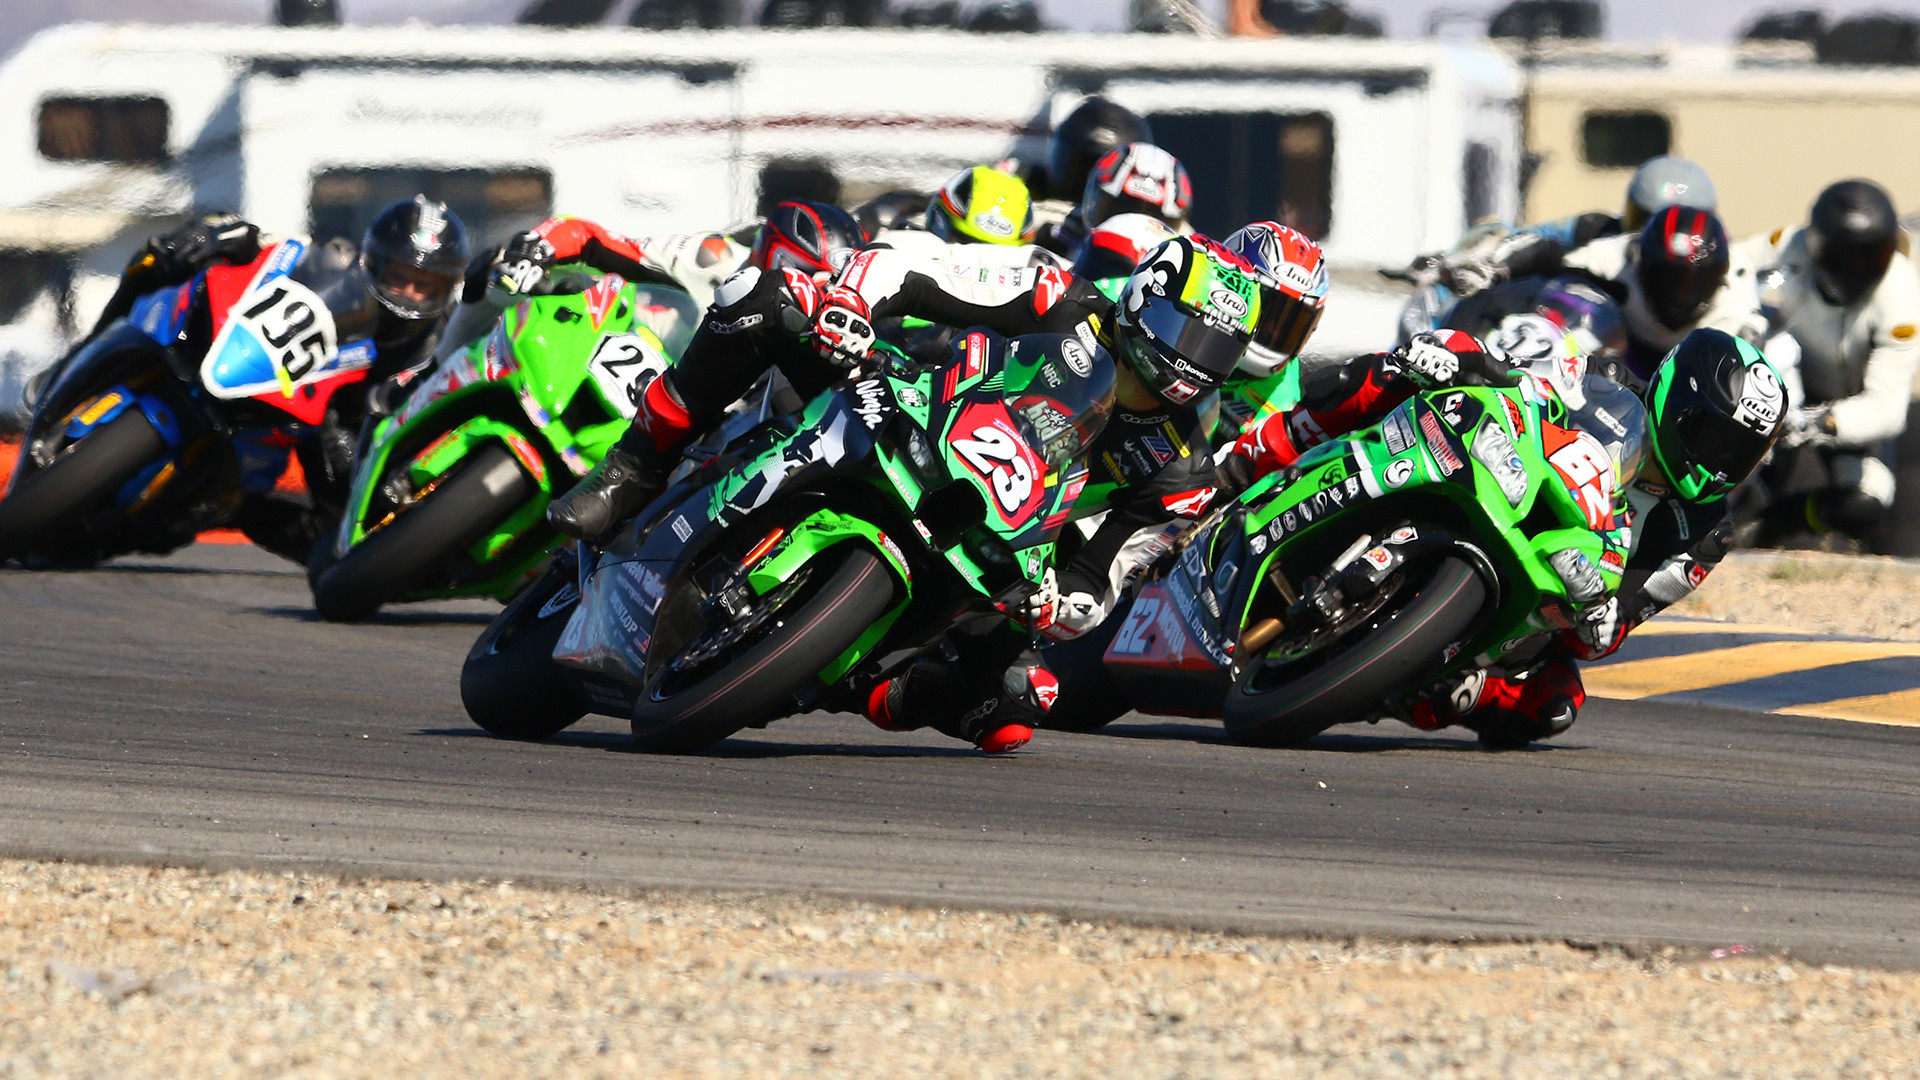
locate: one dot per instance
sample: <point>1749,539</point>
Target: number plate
<point>622,366</point>
<point>279,335</point>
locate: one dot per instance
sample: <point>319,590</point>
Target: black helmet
<point>415,254</point>
<point>1851,237</point>
<point>1185,318</point>
<point>1682,263</point>
<point>897,209</point>
<point>1138,178</point>
<point>1715,405</point>
<point>798,236</point>
<point>1084,137</point>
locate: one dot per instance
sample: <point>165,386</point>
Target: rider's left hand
<point>843,330</point>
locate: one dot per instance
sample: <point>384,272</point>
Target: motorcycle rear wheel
<point>402,555</point>
<point>855,589</point>
<point>510,684</point>
<point>1402,652</point>
<point>84,474</point>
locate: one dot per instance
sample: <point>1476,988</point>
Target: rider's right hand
<point>843,330</point>
<point>522,265</point>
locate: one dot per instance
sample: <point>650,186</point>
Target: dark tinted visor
<point>1718,444</point>
<point>1201,352</point>
<point>1285,322</point>
<point>1679,294</point>
<point>1851,271</point>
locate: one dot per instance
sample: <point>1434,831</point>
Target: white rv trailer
<point>1382,149</point>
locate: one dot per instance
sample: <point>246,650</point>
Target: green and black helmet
<point>1716,406</point>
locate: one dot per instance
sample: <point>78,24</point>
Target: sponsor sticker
<point>1397,430</point>
<point>1076,357</point>
<point>1450,462</point>
<point>681,529</point>
<point>1398,472</point>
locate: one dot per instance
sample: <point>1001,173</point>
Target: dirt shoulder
<point>132,972</point>
<point>1859,595</point>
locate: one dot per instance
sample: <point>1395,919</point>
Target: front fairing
<point>1498,467</point>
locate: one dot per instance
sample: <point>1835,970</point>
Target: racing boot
<point>934,694</point>
<point>632,473</point>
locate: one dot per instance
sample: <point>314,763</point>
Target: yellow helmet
<point>982,205</point>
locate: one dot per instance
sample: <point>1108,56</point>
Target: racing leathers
<point>1146,466</point>
<point>1537,692</point>
<point>1848,370</point>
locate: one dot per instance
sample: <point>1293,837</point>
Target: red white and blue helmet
<point>1292,272</point>
<point>1138,178</point>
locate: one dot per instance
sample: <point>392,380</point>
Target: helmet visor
<point>1286,322</point>
<point>1197,350</point>
<point>411,292</point>
<point>1718,452</point>
<point>1678,295</point>
<point>1848,272</point>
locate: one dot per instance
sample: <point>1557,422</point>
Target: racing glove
<point>1809,425</point>
<point>843,329</point>
<point>199,242</point>
<point>1437,358</point>
<point>522,265</point>
<point>1055,615</point>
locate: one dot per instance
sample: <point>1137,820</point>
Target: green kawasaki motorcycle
<point>1457,532</point>
<point>813,557</point>
<point>450,493</point>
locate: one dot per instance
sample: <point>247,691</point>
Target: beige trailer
<point>1769,125</point>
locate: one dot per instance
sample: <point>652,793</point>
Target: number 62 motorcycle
<point>1455,533</point>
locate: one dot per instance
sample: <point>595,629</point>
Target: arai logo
<point>1228,302</point>
<point>1076,358</point>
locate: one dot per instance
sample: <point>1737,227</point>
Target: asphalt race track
<point>192,711</point>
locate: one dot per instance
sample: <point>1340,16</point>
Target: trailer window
<point>1254,167</point>
<point>492,203</point>
<point>1623,140</point>
<point>1479,181</point>
<point>129,130</point>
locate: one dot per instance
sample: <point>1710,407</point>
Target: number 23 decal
<point>992,449</point>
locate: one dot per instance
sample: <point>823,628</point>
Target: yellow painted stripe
<point>1900,708</point>
<point>1708,626</point>
<point>1718,667</point>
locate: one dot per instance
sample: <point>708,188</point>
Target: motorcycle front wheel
<point>693,702</point>
<point>510,684</point>
<point>85,474</point>
<point>405,553</point>
<point>1400,650</point>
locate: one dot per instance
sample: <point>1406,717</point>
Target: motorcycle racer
<point>1540,249</point>
<point>1715,407</point>
<point>1849,301</point>
<point>412,257</point>
<point>1173,337</point>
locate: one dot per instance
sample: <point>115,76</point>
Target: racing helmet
<point>1665,181</point>
<point>1138,178</point>
<point>1563,318</point>
<point>982,205</point>
<point>1681,262</point>
<point>1185,317</point>
<point>799,235</point>
<point>1851,237</point>
<point>415,256</point>
<point>1094,127</point>
<point>896,209</point>
<point>1117,245</point>
<point>1716,406</point>
<point>1292,272</point>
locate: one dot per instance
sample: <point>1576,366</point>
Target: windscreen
<point>1063,388</point>
<point>1612,414</point>
<point>333,272</point>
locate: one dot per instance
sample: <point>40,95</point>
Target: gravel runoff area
<point>1814,592</point>
<point>133,972</point>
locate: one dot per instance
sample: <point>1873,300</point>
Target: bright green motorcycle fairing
<point>1536,487</point>
<point>555,382</point>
